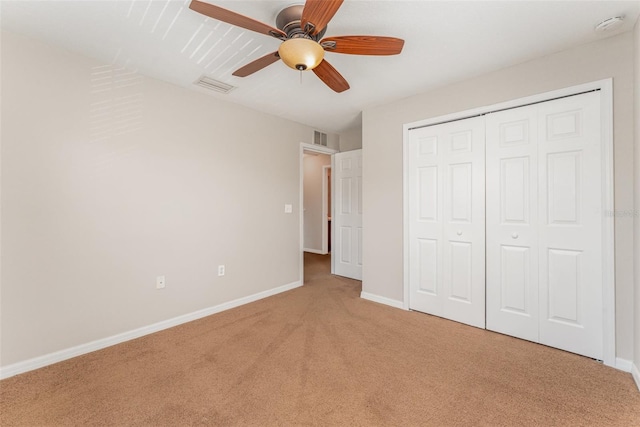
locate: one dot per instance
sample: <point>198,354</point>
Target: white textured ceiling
<point>445,42</point>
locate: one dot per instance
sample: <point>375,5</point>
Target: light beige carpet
<point>320,355</point>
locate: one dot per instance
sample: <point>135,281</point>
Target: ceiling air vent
<point>319,138</point>
<point>215,85</point>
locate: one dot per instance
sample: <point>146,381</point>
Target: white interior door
<point>512,222</point>
<point>446,221</point>
<point>544,207</point>
<point>570,209</point>
<point>347,214</point>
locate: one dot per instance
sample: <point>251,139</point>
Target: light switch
<point>288,208</point>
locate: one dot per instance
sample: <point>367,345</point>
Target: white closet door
<point>544,232</point>
<point>570,209</point>
<point>512,222</point>
<point>446,224</point>
<point>347,217</point>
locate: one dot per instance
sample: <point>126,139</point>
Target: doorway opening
<point>315,201</point>
<point>316,211</point>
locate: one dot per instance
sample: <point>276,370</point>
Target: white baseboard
<point>382,300</point>
<point>315,251</point>
<point>636,374</point>
<point>59,356</point>
<point>623,364</point>
<point>628,366</point>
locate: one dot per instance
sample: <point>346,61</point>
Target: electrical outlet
<point>288,208</point>
<point>160,282</point>
<point>221,270</point>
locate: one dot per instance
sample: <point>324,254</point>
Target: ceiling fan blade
<point>318,13</point>
<point>257,65</point>
<point>234,18</point>
<point>363,45</point>
<point>331,77</point>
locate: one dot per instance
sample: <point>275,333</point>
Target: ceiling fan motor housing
<point>288,20</point>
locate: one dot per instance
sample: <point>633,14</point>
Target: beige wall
<point>312,201</point>
<point>382,152</point>
<point>103,190</point>
<point>333,140</point>
<point>351,139</point>
<point>636,357</point>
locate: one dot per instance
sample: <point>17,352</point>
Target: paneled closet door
<point>446,223</point>
<point>544,229</point>
<point>570,212</point>
<point>512,222</point>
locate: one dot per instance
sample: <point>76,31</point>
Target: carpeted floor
<point>320,355</point>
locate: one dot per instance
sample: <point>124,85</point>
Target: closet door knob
<point>514,236</point>
<point>459,232</point>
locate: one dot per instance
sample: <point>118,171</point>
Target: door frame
<point>320,149</point>
<point>608,245</point>
<point>325,207</point>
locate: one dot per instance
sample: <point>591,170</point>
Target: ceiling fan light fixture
<point>301,53</point>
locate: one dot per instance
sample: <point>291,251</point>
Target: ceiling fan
<point>301,27</point>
